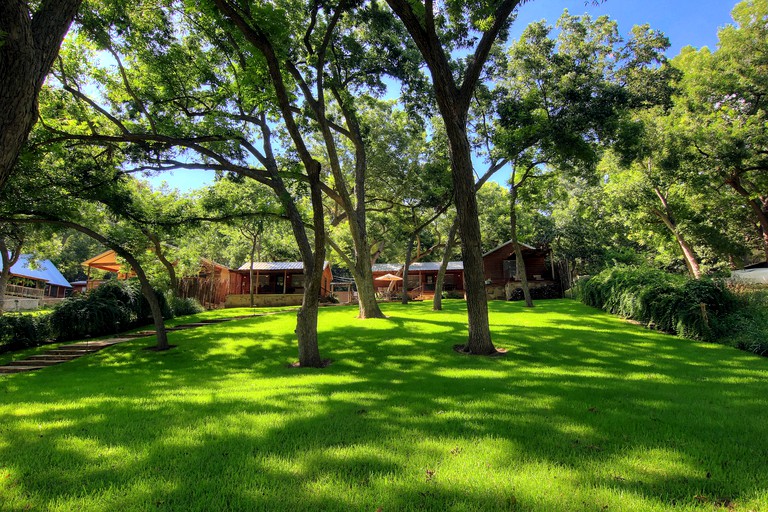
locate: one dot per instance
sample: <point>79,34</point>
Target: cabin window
<point>510,268</point>
<point>297,280</point>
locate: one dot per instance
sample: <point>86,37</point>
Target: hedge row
<point>695,309</point>
<point>18,331</point>
<point>111,308</point>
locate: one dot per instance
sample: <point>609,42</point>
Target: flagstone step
<point>71,352</point>
<point>37,362</point>
<point>19,369</point>
<point>64,353</point>
<point>53,357</point>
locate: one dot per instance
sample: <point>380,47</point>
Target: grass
<point>586,412</point>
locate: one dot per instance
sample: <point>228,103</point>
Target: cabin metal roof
<point>41,270</point>
<point>276,265</point>
<point>419,266</point>
<point>509,242</point>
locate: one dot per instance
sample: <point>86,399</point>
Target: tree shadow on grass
<point>222,424</point>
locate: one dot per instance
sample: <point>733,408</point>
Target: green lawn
<point>585,412</point>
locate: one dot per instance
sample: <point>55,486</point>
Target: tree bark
<point>366,292</point>
<point>437,300</point>
<point>408,255</point>
<point>28,47</point>
<point>759,206</point>
<point>9,259</point>
<point>172,277</point>
<point>250,270</point>
<point>479,341</point>
<point>149,294</point>
<point>689,255</point>
<point>521,271</point>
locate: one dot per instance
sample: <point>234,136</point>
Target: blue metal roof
<point>43,270</point>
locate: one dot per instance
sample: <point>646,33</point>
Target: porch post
<point>285,281</point>
<point>257,281</point>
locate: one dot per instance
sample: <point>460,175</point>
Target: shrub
<point>19,331</point>
<point>667,302</point>
<point>112,307</point>
<point>185,306</point>
<point>747,325</point>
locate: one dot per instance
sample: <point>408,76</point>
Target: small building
<point>422,277</point>
<point>106,261</point>
<point>33,283</point>
<point>502,277</point>
<point>209,286</point>
<point>279,283</point>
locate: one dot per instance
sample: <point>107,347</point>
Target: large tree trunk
<point>479,341</point>
<point>689,255</point>
<point>28,47</point>
<point>759,206</point>
<point>306,319</point>
<point>521,271</point>
<point>406,267</point>
<point>167,264</point>
<point>453,102</point>
<point>437,301</point>
<point>154,303</point>
<point>250,271</point>
<point>9,259</point>
<point>366,292</point>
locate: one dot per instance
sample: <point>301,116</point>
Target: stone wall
<point>504,292</point>
<point>14,303</point>
<point>264,300</point>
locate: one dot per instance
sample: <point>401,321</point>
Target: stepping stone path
<point>64,353</point>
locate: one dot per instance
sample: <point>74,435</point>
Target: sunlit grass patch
<point>585,412</point>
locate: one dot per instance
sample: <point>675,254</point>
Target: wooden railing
<point>23,291</point>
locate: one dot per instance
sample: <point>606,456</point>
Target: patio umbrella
<point>389,277</point>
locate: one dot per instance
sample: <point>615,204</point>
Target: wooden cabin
<point>34,282</point>
<point>279,283</point>
<point>422,277</point>
<point>502,276</point>
<point>209,286</point>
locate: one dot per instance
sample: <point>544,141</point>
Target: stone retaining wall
<point>264,300</point>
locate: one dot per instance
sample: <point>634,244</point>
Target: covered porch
<point>274,284</point>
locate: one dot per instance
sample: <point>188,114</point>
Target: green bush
<point>111,308</point>
<point>747,325</point>
<point>667,302</point>
<point>18,331</point>
<point>185,306</point>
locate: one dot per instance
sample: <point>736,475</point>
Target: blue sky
<point>685,22</point>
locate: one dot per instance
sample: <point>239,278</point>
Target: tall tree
<point>723,109</point>
<point>564,98</point>
<point>435,33</point>
<point>185,108</point>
